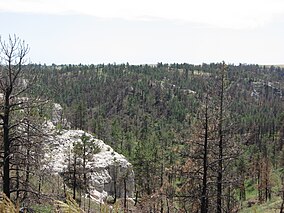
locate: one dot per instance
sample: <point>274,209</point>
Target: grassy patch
<point>251,189</point>
<point>269,207</point>
<point>44,208</point>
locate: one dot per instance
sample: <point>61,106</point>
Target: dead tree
<point>12,53</point>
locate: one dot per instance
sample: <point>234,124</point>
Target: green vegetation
<point>203,138</point>
<point>154,115</point>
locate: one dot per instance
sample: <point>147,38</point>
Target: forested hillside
<point>203,138</point>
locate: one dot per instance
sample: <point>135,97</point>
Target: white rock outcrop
<point>109,173</point>
<point>57,117</point>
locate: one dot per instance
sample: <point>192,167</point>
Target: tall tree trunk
<point>74,177</point>
<point>17,182</point>
<point>6,141</point>
<point>12,54</point>
<point>220,146</point>
<point>84,172</point>
<point>161,183</point>
<point>27,178</point>
<point>125,195</point>
<point>114,183</point>
<point>204,198</point>
<point>39,185</point>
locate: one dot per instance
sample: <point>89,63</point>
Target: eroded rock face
<point>57,117</point>
<point>107,170</point>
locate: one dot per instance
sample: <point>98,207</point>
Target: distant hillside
<point>166,120</point>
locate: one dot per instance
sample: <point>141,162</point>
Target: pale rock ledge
<point>107,169</point>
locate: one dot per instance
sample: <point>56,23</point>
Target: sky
<point>148,31</point>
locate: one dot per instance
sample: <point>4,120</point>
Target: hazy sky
<point>147,31</point>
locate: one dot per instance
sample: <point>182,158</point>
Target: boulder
<point>109,173</point>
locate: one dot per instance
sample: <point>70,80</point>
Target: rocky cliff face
<point>108,173</point>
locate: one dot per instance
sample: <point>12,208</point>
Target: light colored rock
<point>107,169</point>
<point>57,117</point>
